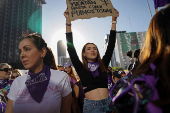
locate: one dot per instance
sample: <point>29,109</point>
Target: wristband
<point>68,24</point>
<point>114,22</point>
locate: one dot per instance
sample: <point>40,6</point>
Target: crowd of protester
<point>90,86</point>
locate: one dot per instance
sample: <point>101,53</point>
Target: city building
<point>115,61</point>
<point>16,17</point>
<point>119,59</point>
<point>61,51</point>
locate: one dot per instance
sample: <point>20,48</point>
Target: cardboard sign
<point>85,9</point>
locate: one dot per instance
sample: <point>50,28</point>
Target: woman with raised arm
<point>92,71</point>
<point>44,89</point>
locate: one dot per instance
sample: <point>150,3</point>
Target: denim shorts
<point>96,106</point>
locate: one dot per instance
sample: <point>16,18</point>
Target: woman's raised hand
<point>115,18</point>
<point>66,14</point>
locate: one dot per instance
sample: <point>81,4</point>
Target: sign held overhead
<point>85,9</point>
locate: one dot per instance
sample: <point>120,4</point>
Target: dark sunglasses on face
<point>13,77</point>
<point>6,69</point>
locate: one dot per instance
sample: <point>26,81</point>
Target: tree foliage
<point>117,68</point>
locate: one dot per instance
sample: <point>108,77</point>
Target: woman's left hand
<point>115,18</point>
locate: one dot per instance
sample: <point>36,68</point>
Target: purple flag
<point>160,3</point>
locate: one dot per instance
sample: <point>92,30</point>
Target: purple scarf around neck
<point>37,83</point>
<point>3,83</point>
<point>93,66</point>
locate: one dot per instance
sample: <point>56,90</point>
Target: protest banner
<point>85,9</point>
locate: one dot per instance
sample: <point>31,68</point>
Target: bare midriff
<point>97,94</point>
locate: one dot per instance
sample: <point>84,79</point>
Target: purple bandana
<point>93,66</point>
<point>3,83</point>
<point>10,82</point>
<point>67,64</point>
<point>37,83</point>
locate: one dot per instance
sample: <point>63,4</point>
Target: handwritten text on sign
<point>84,9</point>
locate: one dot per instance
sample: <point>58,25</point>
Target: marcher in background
<point>5,84</point>
<point>116,76</point>
<point>75,89</point>
<point>92,69</point>
<point>44,89</point>
<point>148,90</point>
<point>134,55</point>
<point>130,68</point>
<point>137,62</point>
<point>15,73</point>
<point>110,76</point>
<point>60,67</point>
<point>81,94</point>
<point>123,74</point>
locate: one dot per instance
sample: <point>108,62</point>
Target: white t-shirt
<point>58,87</point>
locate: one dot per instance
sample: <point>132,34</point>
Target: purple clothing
<point>93,66</point>
<point>110,83</point>
<point>135,94</point>
<point>2,107</point>
<point>160,3</point>
<point>81,92</point>
<point>10,82</point>
<point>37,83</point>
<point>3,83</point>
<point>72,81</point>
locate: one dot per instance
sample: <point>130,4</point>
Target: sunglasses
<point>13,77</point>
<point>6,69</point>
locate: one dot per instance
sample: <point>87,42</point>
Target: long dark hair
<point>157,50</point>
<point>40,43</point>
<point>73,74</point>
<point>98,59</point>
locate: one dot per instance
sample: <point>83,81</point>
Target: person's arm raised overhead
<point>68,22</point>
<point>112,40</point>
<point>70,46</point>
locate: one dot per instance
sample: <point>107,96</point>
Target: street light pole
<point>149,8</point>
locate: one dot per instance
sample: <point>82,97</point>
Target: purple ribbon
<point>37,83</point>
<point>3,83</point>
<point>93,66</point>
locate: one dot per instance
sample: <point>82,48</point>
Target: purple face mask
<point>37,83</point>
<point>93,66</point>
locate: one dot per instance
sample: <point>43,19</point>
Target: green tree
<point>117,68</point>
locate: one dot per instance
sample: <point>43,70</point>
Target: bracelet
<point>68,24</point>
<point>114,22</point>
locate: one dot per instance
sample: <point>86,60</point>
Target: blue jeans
<point>96,106</point>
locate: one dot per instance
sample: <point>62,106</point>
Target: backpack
<point>134,95</point>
